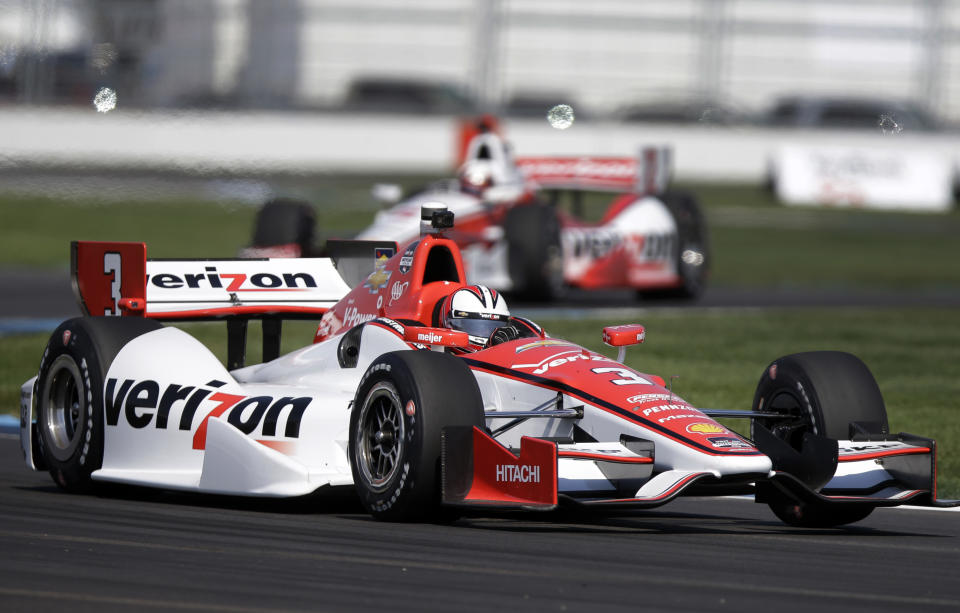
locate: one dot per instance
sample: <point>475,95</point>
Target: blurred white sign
<point>861,177</point>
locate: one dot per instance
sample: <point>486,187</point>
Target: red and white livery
<point>393,401</point>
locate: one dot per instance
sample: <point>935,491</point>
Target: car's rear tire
<point>285,221</point>
<point>534,253</point>
<point>69,394</point>
<point>827,391</point>
<point>691,251</point>
<point>404,401</point>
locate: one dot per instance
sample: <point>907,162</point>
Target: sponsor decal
<point>430,338</point>
<point>664,420</point>
<point>550,342</point>
<point>664,408</point>
<point>592,243</point>
<point>394,325</point>
<point>398,289</point>
<point>142,403</point>
<point>518,473</point>
<point>644,398</point>
<point>706,428</point>
<point>559,359</point>
<point>380,276</point>
<point>728,442</point>
<point>622,169</point>
<point>211,278</point>
<point>66,337</point>
<point>352,317</point>
<point>410,409</point>
<point>406,261</point>
<point>383,252</point>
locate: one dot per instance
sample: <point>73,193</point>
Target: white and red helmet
<point>476,310</point>
<point>476,176</point>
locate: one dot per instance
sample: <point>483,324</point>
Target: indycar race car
<point>428,397</point>
<point>517,233</point>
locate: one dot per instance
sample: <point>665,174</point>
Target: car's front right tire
<point>404,401</point>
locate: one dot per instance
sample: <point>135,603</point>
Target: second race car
<point>516,236</point>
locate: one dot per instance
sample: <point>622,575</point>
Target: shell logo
<point>704,428</point>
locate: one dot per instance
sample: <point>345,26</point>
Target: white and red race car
<point>516,236</point>
<point>388,403</point>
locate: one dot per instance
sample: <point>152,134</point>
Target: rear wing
<point>648,173</point>
<point>117,279</point>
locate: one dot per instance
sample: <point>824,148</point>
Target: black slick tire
<point>534,253</point>
<point>69,394</point>
<point>285,221</point>
<point>403,402</point>
<point>827,391</point>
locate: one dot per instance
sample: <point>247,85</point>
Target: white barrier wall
<point>266,143</point>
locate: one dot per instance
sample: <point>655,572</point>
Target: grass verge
<point>755,241</point>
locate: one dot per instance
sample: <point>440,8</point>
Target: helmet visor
<point>480,325</point>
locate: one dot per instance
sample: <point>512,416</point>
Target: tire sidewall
<point>691,235</point>
<point>72,344</point>
<point>401,490</point>
<point>534,251</point>
<point>443,392</point>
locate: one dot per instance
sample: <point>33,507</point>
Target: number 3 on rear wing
<point>115,278</point>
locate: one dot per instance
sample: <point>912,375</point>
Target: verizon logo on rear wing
<point>648,173</point>
<point>117,279</point>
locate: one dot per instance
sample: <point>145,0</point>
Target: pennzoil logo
<point>550,342</point>
<point>706,428</point>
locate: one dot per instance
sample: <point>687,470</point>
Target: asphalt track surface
<point>133,549</point>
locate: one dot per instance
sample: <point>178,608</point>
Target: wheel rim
<point>789,430</point>
<point>63,407</point>
<point>380,436</point>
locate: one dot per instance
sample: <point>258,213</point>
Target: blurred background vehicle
<point>690,109</point>
<point>843,113</point>
<point>406,95</point>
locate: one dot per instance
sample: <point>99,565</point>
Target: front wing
<point>477,471</point>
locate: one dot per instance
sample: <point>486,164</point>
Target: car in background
<point>848,113</point>
<point>406,95</point>
<point>516,236</point>
<point>684,110</point>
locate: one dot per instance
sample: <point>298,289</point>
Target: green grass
<point>755,241</point>
<point>719,356</point>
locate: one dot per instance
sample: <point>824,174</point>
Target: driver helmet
<point>476,176</point>
<point>477,310</point>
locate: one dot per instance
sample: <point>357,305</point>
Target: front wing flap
<point>881,471</point>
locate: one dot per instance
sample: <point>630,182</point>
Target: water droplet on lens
<point>105,100</point>
<point>888,125</point>
<point>561,116</point>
